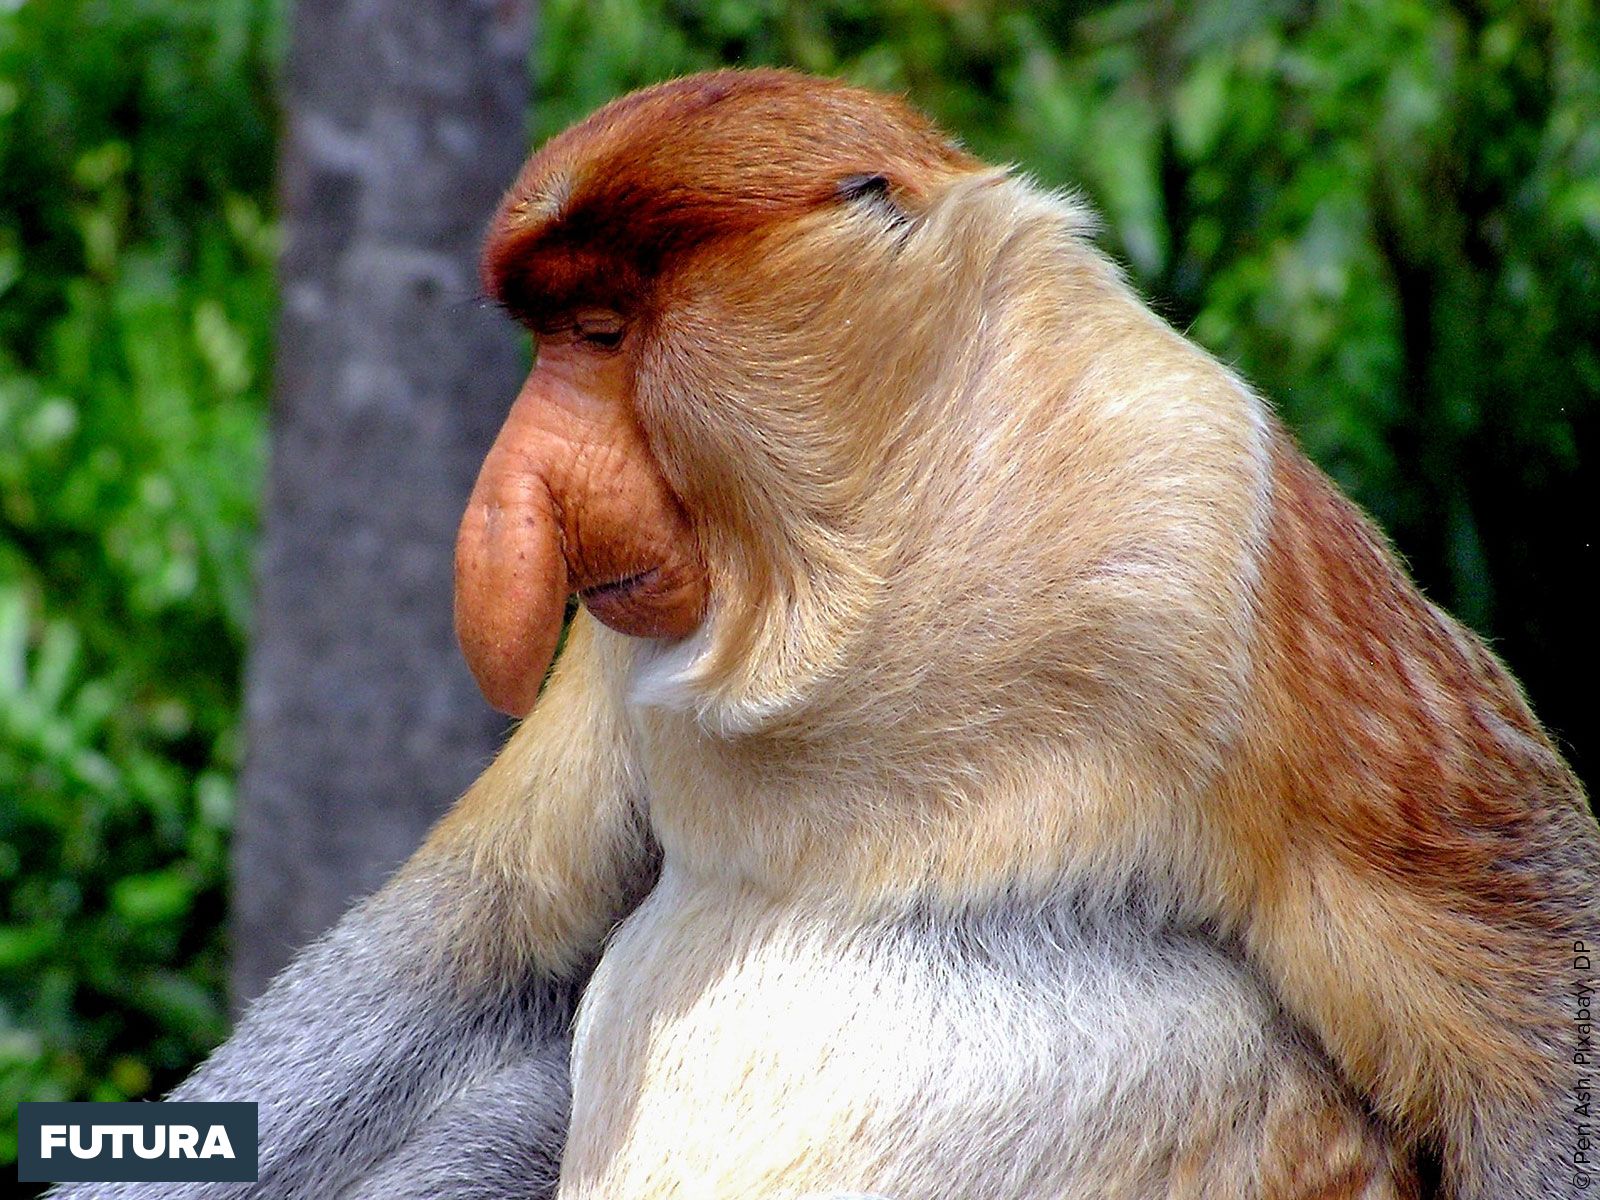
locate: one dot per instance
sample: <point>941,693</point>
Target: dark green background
<point>1386,214</point>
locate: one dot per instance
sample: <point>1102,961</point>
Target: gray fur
<point>368,1054</point>
<point>499,1137</point>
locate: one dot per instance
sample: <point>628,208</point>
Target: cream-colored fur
<point>1009,539</point>
<point>737,1045</point>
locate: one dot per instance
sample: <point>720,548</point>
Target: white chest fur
<point>730,1047</point>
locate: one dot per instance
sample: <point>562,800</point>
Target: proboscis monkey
<point>990,762</point>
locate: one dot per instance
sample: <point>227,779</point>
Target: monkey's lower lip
<point>646,605</point>
<point>617,588</point>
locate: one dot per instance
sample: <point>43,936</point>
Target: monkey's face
<point>650,249</point>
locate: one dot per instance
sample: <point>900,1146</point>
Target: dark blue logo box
<point>175,1142</point>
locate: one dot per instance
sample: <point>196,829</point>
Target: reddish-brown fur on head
<point>604,207</point>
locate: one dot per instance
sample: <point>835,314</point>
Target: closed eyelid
<point>598,319</point>
<point>601,327</point>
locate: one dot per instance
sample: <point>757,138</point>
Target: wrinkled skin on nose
<point>569,499</point>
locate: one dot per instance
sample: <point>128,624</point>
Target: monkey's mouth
<point>604,593</point>
<point>647,604</point>
<point>637,604</point>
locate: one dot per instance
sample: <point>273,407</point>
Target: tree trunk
<point>404,122</point>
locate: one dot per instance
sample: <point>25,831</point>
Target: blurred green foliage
<point>136,144</point>
<point>1386,213</point>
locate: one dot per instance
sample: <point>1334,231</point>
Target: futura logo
<point>116,1143</point>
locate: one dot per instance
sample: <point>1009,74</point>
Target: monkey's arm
<point>441,1004</point>
<point>1424,867</point>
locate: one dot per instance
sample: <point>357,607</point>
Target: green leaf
<point>153,897</point>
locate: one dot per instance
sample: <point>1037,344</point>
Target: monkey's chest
<point>729,1048</point>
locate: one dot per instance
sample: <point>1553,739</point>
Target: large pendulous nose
<point>570,498</point>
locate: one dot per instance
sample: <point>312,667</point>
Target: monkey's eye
<point>600,327</point>
<point>863,187</point>
<point>874,191</point>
